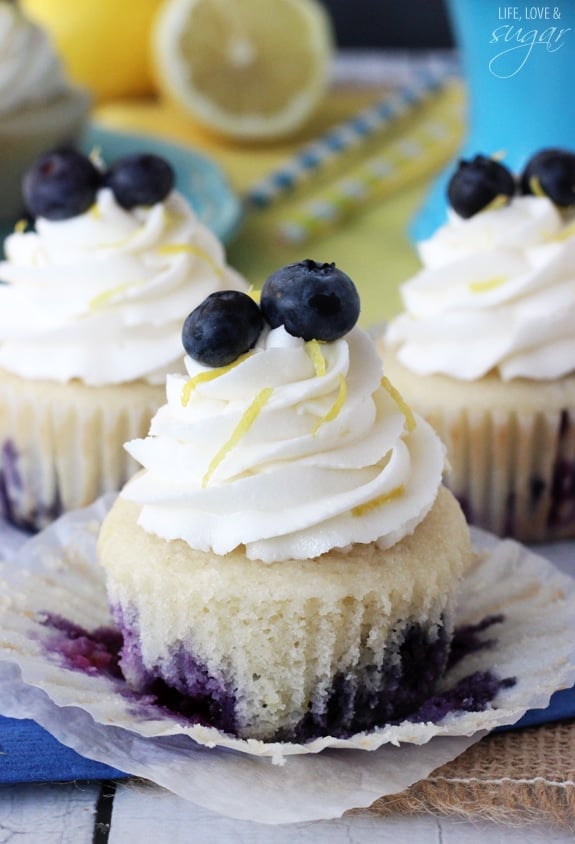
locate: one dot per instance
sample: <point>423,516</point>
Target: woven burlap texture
<point>520,776</point>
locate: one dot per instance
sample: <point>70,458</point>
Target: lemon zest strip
<point>564,234</point>
<point>497,202</point>
<point>191,249</point>
<point>535,186</point>
<point>400,402</point>
<point>486,284</point>
<point>104,297</point>
<point>249,417</point>
<point>336,406</point>
<point>313,349</point>
<point>208,375</point>
<point>21,226</point>
<point>362,509</point>
<point>94,211</point>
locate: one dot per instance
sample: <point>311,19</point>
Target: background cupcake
<point>287,562</point>
<point>485,348</point>
<point>39,108</point>
<point>90,322</point>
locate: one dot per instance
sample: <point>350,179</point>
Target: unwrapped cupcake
<point>39,108</point>
<point>90,323</point>
<point>286,564</point>
<point>485,347</point>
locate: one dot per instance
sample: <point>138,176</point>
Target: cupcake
<point>287,561</point>
<point>39,108</point>
<point>90,324</point>
<point>485,348</point>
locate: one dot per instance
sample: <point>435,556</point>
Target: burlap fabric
<point>519,776</point>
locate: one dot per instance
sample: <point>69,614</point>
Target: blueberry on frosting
<point>311,300</point>
<point>551,172</point>
<point>224,326</point>
<point>141,179</point>
<point>64,183</point>
<point>61,184</point>
<point>477,183</point>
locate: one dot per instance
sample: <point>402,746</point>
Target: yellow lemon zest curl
<point>400,402</point>
<point>487,284</point>
<point>208,375</point>
<point>564,234</point>
<point>313,349</point>
<point>362,509</point>
<point>497,202</point>
<point>104,298</point>
<point>249,417</point>
<point>178,248</point>
<point>334,410</point>
<point>254,294</point>
<point>535,186</point>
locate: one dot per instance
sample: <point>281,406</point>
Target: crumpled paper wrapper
<point>57,572</point>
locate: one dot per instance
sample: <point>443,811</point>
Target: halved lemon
<point>248,69</point>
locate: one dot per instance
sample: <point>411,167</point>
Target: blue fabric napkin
<point>30,754</point>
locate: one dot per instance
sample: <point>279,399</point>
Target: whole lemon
<point>103,44</point>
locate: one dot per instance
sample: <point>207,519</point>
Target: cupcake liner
<point>530,604</point>
<point>512,471</point>
<point>510,447</point>
<point>62,445</point>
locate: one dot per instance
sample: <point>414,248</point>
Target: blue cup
<point>518,64</point>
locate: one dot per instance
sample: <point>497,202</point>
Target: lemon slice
<point>248,69</point>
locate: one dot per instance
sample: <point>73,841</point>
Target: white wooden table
<point>82,814</point>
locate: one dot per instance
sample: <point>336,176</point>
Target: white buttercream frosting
<point>30,69</point>
<point>102,296</point>
<point>284,458</point>
<point>496,292</point>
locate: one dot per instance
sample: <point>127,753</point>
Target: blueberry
<point>313,301</point>
<point>551,172</point>
<point>224,326</point>
<point>141,179</point>
<point>61,184</point>
<point>476,183</point>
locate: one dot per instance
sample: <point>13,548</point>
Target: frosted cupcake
<point>39,108</point>
<point>90,322</point>
<point>287,561</point>
<point>485,347</point>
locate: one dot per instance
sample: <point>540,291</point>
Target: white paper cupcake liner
<point>510,447</point>
<point>57,572</point>
<point>62,445</point>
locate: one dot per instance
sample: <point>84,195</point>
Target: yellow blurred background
<point>105,45</point>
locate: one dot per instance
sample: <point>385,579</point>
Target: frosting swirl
<point>100,296</point>
<point>30,70</point>
<point>293,450</point>
<point>496,292</point>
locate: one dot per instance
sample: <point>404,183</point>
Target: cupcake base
<point>289,651</point>
<point>62,445</point>
<point>510,446</point>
